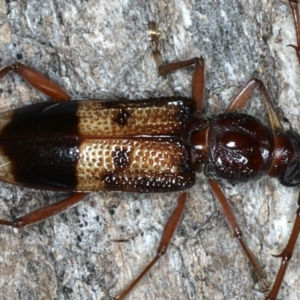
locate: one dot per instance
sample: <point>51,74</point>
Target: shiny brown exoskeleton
<point>90,146</point>
<point>154,145</point>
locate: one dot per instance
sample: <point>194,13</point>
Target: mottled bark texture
<point>100,49</point>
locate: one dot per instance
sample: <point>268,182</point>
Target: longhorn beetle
<point>154,145</point>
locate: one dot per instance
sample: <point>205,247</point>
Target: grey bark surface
<point>100,50</point>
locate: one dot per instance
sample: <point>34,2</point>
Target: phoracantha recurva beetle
<point>154,145</point>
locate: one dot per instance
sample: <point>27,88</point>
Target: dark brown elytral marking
<point>121,157</point>
<point>122,117</point>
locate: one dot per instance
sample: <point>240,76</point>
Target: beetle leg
<point>286,255</point>
<point>45,212</point>
<point>38,81</point>
<point>166,238</point>
<point>230,218</point>
<point>198,82</point>
<point>295,9</point>
<point>239,102</point>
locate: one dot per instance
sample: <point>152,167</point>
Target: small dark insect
<point>154,145</point>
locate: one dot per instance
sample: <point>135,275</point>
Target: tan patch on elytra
<point>108,156</point>
<point>5,118</point>
<point>6,172</point>
<point>96,119</point>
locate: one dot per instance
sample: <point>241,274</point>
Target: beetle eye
<point>292,176</point>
